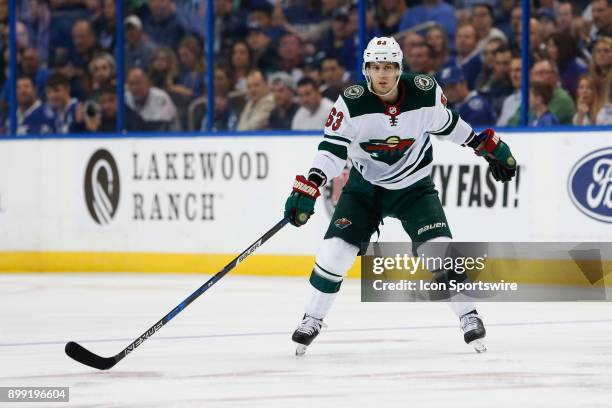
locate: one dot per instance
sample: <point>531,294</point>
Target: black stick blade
<point>84,356</point>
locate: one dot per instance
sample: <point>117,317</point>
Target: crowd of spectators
<point>281,64</point>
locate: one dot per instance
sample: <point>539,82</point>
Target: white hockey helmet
<point>382,49</point>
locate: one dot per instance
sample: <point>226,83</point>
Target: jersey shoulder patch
<point>424,82</point>
<point>420,89</point>
<point>360,101</point>
<point>354,91</point>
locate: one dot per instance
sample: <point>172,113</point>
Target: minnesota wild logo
<point>389,151</point>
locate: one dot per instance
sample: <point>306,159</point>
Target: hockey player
<point>384,125</point>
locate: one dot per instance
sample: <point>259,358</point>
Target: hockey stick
<point>84,356</point>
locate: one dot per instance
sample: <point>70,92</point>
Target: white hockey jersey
<point>389,144</point>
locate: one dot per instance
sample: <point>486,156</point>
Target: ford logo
<point>590,185</point>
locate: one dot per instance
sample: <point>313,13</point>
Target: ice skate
<point>308,329</point>
<point>474,331</point>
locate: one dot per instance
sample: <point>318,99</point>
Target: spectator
<point>241,63</point>
<point>472,106</point>
<point>224,87</point>
<point>191,57</point>
<point>437,39</point>
<point>85,45</point>
<point>589,110</point>
<point>602,20</point>
<point>501,86</point>
<point>261,13</point>
<point>163,69</point>
<point>516,28</point>
<point>104,26</point>
<point>162,24</point>
<point>260,102</point>
<point>563,49</point>
<point>485,77</point>
<point>285,107</point>
<point>31,66</point>
<point>561,104</point>
<point>502,16</point>
<point>334,78</point>
<point>102,71</point>
<point>482,20</point>
<point>540,95</point>
<point>511,108</point>
<point>421,59</point>
<point>230,25</point>
<point>291,56</point>
<point>411,39</point>
<point>468,58</point>
<point>304,17</point>
<point>57,88</point>
<point>312,69</point>
<point>600,69</point>
<point>314,109</point>
<point>548,26</point>
<point>389,14</point>
<point>564,15</point>
<point>33,117</point>
<point>192,14</point>
<point>102,117</point>
<point>260,43</point>
<point>152,104</point>
<point>338,41</point>
<point>138,48</point>
<point>38,23</point>
<point>435,11</point>
<point>536,39</point>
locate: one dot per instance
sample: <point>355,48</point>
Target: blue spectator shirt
<point>547,119</point>
<point>37,120</point>
<point>476,110</point>
<point>470,66</point>
<point>167,33</point>
<point>66,120</point>
<point>441,13</point>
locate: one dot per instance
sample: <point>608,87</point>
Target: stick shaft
<point>246,253</point>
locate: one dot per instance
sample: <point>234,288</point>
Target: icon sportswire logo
<point>102,186</point>
<point>590,184</point>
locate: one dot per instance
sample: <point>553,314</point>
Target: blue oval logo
<point>590,185</point>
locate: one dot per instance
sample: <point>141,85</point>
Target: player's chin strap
<point>369,82</point>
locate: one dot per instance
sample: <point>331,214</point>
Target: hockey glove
<point>498,154</point>
<point>300,204</point>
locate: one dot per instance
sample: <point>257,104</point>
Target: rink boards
<point>189,204</point>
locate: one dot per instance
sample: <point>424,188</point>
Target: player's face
<point>384,76</point>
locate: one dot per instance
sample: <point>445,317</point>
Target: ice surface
<point>232,348</point>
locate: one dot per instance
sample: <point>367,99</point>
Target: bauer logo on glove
<point>300,204</point>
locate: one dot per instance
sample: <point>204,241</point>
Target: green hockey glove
<point>300,204</point>
<point>497,154</point>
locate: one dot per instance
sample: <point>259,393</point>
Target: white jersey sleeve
<point>339,133</point>
<point>447,124</point>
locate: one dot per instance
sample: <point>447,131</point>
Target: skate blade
<point>300,350</point>
<point>479,346</point>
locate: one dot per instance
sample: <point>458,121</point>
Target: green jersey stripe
<point>408,168</point>
<point>341,139</point>
<point>337,150</point>
<point>427,159</point>
<point>448,120</point>
<point>447,131</point>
